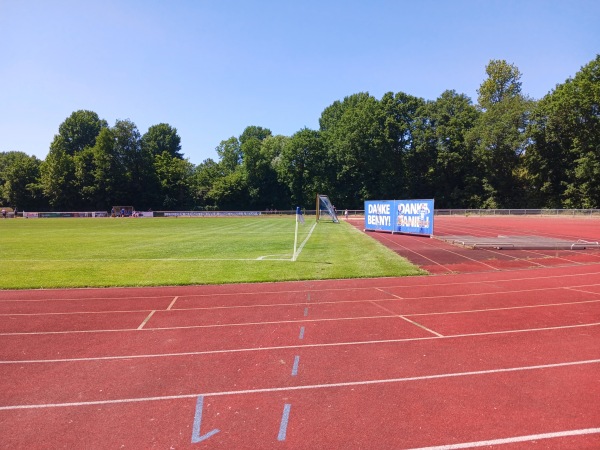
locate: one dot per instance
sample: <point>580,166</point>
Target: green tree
<point>401,167</point>
<point>448,169</point>
<point>162,138</point>
<point>59,181</point>
<point>230,154</point>
<point>204,176</point>
<point>499,136</point>
<point>175,177</point>
<point>79,131</point>
<point>258,148</point>
<point>139,180</point>
<point>300,167</point>
<point>355,140</point>
<point>563,159</point>
<point>19,181</point>
<point>57,176</point>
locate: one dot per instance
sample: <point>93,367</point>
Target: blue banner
<point>400,216</point>
<point>380,215</point>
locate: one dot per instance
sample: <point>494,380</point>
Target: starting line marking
<point>512,440</point>
<point>301,388</point>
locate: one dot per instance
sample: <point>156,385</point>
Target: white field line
<point>305,387</point>
<point>260,258</point>
<point>295,256</point>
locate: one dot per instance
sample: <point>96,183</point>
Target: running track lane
<point>439,257</point>
<point>542,390</point>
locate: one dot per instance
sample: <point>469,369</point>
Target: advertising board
<point>400,216</point>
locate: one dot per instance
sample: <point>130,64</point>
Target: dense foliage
<point>506,151</point>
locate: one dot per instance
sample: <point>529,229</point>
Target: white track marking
<point>335,302</point>
<point>146,320</point>
<point>394,314</point>
<point>423,327</point>
<point>171,304</point>
<point>297,346</point>
<point>429,283</point>
<point>513,440</point>
<point>307,387</point>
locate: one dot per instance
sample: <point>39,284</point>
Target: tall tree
<point>448,171</point>
<point>79,130</point>
<point>139,180</point>
<point>230,154</point>
<point>300,167</point>
<point>162,138</point>
<point>499,135</point>
<point>59,181</point>
<point>355,139</point>
<point>174,175</point>
<point>19,181</point>
<point>204,176</point>
<point>563,160</point>
<point>258,173</point>
<point>401,167</point>
<point>57,176</point>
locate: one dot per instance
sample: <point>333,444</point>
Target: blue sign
<point>379,215</point>
<point>400,216</point>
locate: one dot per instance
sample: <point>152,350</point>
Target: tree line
<point>505,151</point>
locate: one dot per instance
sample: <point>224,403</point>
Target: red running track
<point>440,257</point>
<point>495,359</point>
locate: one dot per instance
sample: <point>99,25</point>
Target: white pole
<point>295,239</point>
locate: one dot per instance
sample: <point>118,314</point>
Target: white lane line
<point>407,286</point>
<point>172,303</point>
<point>423,327</point>
<point>146,320</point>
<point>340,302</point>
<point>295,346</point>
<point>221,325</point>
<point>389,293</point>
<point>304,387</point>
<point>512,440</point>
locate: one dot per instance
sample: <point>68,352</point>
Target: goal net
<point>325,208</point>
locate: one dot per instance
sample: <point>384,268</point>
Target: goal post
<point>325,207</point>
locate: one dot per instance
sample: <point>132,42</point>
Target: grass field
<point>52,253</point>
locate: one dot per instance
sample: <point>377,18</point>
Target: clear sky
<point>210,68</point>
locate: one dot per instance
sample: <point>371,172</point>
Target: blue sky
<point>212,68</point>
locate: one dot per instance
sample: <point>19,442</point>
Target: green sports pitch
<point>54,253</point>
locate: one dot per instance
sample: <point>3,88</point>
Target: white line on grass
<point>306,387</point>
<point>295,256</point>
<point>260,258</point>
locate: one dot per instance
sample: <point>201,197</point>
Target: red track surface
<point>495,358</point>
<point>439,257</point>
